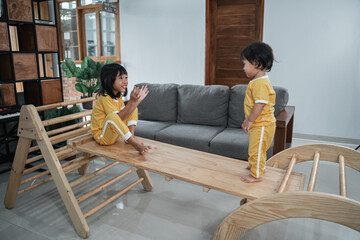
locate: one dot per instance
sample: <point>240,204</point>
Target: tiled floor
<point>173,210</point>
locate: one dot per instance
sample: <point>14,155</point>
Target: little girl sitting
<point>111,118</point>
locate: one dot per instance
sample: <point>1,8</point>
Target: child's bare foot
<point>250,179</point>
<point>138,145</point>
<point>248,168</point>
<point>143,148</point>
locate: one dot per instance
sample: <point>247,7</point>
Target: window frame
<point>80,12</point>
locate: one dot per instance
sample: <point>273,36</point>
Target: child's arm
<point>136,96</point>
<point>255,112</point>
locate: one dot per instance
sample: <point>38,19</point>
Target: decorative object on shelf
<point>87,76</point>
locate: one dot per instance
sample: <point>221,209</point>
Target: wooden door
<point>230,26</point>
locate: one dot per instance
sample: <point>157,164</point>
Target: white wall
<point>163,41</point>
<point>316,44</point>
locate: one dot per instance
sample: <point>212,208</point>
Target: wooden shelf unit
<point>29,53</point>
<point>29,56</point>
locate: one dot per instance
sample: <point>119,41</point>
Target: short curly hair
<point>260,54</point>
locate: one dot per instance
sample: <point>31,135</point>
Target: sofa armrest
<point>284,129</point>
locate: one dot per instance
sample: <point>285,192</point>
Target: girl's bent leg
<point>113,129</point>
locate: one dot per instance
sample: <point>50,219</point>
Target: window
<point>89,28</point>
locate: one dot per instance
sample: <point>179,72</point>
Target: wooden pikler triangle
<point>32,128</point>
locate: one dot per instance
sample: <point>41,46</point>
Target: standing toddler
<point>259,103</point>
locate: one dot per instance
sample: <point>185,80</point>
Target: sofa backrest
<point>205,105</point>
<point>160,104</point>
<point>236,105</point>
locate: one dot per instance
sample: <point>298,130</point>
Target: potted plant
<point>87,76</point>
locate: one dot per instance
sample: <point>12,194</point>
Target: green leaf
<point>69,68</point>
<point>81,87</point>
<point>85,63</point>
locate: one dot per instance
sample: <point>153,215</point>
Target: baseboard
<point>326,138</point>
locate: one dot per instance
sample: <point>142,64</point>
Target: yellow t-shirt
<point>103,106</point>
<point>260,90</point>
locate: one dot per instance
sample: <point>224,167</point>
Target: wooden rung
<point>62,104</point>
<point>66,118</point>
<point>93,174</point>
<point>39,157</point>
<point>342,176</point>
<point>287,174</point>
<point>66,170</point>
<point>314,171</point>
<point>67,128</point>
<point>103,204</point>
<point>205,189</point>
<point>61,157</point>
<point>168,179</point>
<point>29,179</point>
<point>102,186</point>
<point>67,135</point>
<point>59,152</point>
<point>63,137</point>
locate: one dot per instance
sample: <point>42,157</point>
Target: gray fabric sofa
<point>205,118</point>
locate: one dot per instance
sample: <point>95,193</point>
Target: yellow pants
<point>260,139</point>
<point>114,128</point>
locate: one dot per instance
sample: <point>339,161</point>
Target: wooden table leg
<point>147,183</point>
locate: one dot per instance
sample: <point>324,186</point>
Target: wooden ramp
<point>207,170</point>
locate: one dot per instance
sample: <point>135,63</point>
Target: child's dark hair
<point>260,54</point>
<point>108,74</point>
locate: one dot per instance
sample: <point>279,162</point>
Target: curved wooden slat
<point>315,205</point>
<point>328,152</point>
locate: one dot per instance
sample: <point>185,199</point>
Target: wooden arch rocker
<point>304,204</point>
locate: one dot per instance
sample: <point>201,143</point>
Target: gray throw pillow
<point>282,98</point>
<point>206,105</point>
<point>160,104</point>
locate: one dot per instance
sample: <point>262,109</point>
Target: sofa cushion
<point>189,135</point>
<point>149,129</point>
<point>205,105</point>
<point>160,104</point>
<point>233,142</point>
<point>236,105</point>
<point>281,100</point>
